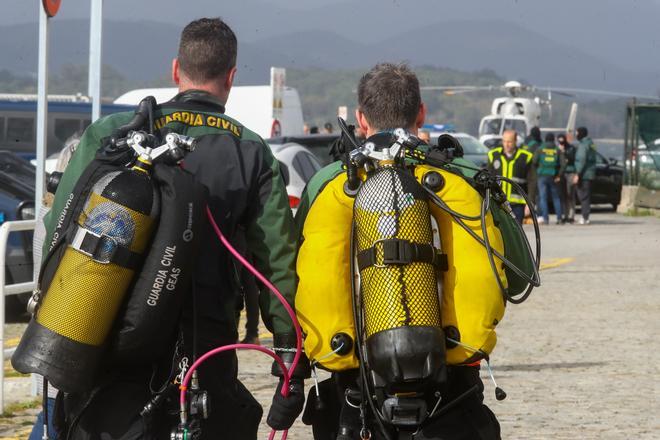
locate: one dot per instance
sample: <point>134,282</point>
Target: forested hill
<point>323,90</point>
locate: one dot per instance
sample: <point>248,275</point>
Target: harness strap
<point>97,246</point>
<point>394,251</point>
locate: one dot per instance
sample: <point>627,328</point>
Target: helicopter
<point>519,112</point>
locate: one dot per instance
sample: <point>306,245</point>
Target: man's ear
<point>176,77</point>
<point>361,120</point>
<point>421,115</point>
<point>229,79</point>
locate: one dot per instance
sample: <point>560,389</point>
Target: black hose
<point>485,205</point>
<point>44,403</point>
<point>537,234</point>
<point>508,263</point>
<point>346,131</point>
<point>142,113</point>
<point>442,203</point>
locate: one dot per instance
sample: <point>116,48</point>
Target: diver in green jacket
<point>546,160</point>
<point>389,97</point>
<point>247,192</point>
<point>585,169</point>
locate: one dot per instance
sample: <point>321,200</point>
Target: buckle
<point>395,252</point>
<point>91,244</point>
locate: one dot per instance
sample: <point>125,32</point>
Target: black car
<point>606,186</point>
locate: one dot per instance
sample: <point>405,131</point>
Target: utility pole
<point>95,42</point>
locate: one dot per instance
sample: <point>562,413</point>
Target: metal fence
<point>11,289</point>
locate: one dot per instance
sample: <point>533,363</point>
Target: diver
<point>245,192</point>
<point>388,98</point>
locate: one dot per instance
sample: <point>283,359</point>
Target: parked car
<point>298,165</point>
<point>649,165</point>
<point>17,177</point>
<point>318,144</point>
<point>606,186</point>
<point>473,149</point>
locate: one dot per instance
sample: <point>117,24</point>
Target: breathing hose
<point>287,371</point>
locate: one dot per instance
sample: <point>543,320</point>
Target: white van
<point>252,106</point>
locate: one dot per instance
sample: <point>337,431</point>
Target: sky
<point>621,33</point>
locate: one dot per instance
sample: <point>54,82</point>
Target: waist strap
<point>104,249</point>
<point>393,251</point>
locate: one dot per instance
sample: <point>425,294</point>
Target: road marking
<point>555,262</point>
<point>12,342</point>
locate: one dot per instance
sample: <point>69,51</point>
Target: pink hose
<point>268,284</point>
<point>208,354</point>
<point>289,309</point>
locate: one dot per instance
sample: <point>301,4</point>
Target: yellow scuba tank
<point>104,232</point>
<point>104,248</point>
<point>397,265</point>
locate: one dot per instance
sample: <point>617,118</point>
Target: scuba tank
<point>399,293</point>
<point>398,283</point>
<point>98,247</point>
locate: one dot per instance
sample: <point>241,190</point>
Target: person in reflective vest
<point>516,164</point>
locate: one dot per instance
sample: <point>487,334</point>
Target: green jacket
<point>585,159</point>
<point>546,160</point>
<point>246,193</point>
<point>531,146</point>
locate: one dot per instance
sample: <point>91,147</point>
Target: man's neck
<point>220,94</point>
<point>373,131</point>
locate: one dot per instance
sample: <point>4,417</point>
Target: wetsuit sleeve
<point>312,190</point>
<point>536,158</point>
<point>562,163</point>
<point>84,154</point>
<point>271,239</point>
<point>581,159</point>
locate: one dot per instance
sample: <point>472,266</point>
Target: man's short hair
<point>582,132</point>
<point>207,50</point>
<point>389,96</point>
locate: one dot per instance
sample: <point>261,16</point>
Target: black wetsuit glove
<point>285,410</point>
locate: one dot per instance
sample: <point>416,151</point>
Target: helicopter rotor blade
<point>455,90</point>
<point>572,92</point>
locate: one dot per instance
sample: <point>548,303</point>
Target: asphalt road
<point>579,360</point>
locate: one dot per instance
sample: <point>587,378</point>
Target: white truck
<point>270,111</point>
